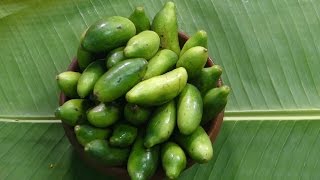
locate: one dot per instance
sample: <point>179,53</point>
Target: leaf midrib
<point>30,119</point>
<point>296,114</point>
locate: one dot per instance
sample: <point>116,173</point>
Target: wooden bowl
<point>212,130</point>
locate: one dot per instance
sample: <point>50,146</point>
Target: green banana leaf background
<point>269,51</point>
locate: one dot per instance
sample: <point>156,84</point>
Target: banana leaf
<point>269,51</point>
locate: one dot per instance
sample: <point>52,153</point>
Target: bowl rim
<point>212,129</point>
